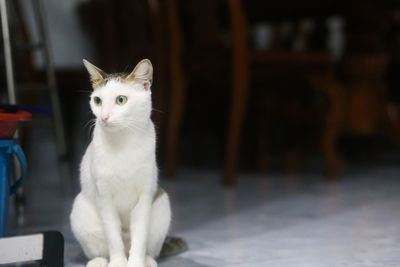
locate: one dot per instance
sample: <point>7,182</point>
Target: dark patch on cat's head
<point>108,77</point>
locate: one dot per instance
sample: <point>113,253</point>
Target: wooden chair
<point>244,64</point>
<point>366,108</point>
<point>358,103</point>
<point>314,66</point>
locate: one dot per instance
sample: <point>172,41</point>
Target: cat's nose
<point>105,118</point>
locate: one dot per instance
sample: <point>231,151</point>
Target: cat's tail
<point>173,246</point>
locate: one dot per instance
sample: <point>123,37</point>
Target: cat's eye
<point>121,100</point>
<point>97,100</point>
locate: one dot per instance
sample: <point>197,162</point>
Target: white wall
<point>68,42</point>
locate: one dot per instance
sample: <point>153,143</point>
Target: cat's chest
<point>121,171</point>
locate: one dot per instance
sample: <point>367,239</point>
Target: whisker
<point>89,122</point>
<point>127,67</point>
<point>158,110</point>
<point>124,123</point>
<point>91,129</point>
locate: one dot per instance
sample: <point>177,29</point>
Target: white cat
<point>121,210</point>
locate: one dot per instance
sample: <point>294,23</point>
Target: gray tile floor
<point>267,220</point>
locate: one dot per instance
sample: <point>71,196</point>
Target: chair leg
<point>178,87</point>
<point>263,156</point>
<point>390,125</point>
<point>238,108</point>
<point>240,88</point>
<point>333,164</point>
<point>161,64</point>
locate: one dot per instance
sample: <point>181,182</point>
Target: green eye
<point>97,100</point>
<point>121,100</point>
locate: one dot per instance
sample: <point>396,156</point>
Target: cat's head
<point>121,101</point>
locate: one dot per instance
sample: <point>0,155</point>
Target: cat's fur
<point>121,217</point>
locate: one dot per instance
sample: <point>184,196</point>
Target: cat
<point>121,217</point>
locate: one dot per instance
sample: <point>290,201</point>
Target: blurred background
<point>285,112</point>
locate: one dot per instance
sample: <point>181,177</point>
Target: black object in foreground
<point>47,248</point>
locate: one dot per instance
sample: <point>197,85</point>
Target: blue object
<point>15,108</point>
<point>8,148</point>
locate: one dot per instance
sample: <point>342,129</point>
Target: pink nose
<point>105,118</point>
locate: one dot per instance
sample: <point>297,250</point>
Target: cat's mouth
<point>111,126</point>
<point>108,124</point>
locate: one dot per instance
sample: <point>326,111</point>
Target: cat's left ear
<point>142,73</point>
<point>96,75</point>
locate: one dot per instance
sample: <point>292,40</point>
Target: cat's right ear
<point>96,74</point>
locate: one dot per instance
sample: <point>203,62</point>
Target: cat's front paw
<point>135,264</point>
<point>97,262</point>
<point>150,262</point>
<point>118,262</point>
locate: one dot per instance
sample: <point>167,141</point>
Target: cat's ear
<point>96,74</point>
<point>142,73</point>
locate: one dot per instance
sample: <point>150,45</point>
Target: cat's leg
<point>139,230</point>
<point>88,230</point>
<point>97,262</point>
<point>150,262</point>
<point>160,220</point>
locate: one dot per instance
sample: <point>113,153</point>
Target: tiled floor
<point>267,220</point>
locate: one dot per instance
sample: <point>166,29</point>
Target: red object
<point>9,122</point>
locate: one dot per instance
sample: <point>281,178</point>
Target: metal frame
<point>44,45</point>
<point>7,53</point>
